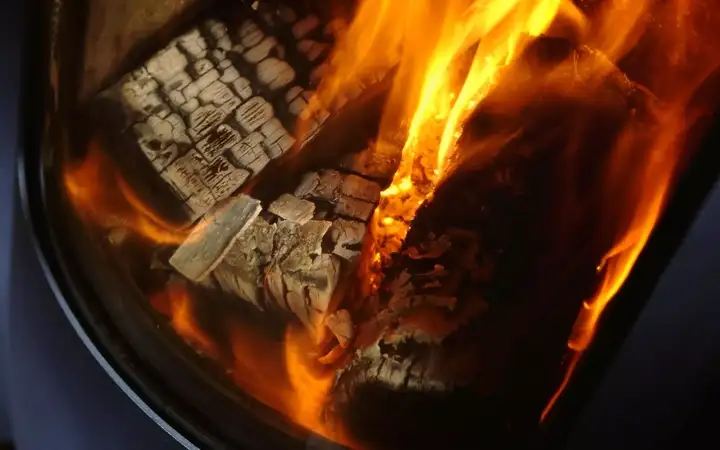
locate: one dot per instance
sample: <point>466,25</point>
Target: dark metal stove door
<point>670,361</point>
<point>60,397</point>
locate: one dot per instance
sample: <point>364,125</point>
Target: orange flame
<point>99,193</point>
<point>176,303</point>
<point>284,375</point>
<point>449,56</point>
<point>682,54</point>
<point>435,88</point>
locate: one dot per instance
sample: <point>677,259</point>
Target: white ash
<point>253,114</point>
<point>205,119</point>
<point>341,325</point>
<point>291,208</point>
<point>261,51</point>
<point>250,153</point>
<point>347,236</point>
<point>166,63</point>
<point>323,185</point>
<point>275,73</point>
<point>221,139</point>
<point>193,44</point>
<point>250,34</point>
<point>277,139</point>
<point>210,241</point>
<point>354,208</point>
<point>243,88</point>
<point>241,271</point>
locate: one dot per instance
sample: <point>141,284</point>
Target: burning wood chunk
<point>298,243</point>
<point>297,106</point>
<point>316,285</point>
<point>223,138</point>
<point>189,108</point>
<point>319,72</point>
<point>250,34</point>
<point>377,162</point>
<point>193,44</point>
<point>253,114</point>
<point>354,208</point>
<point>249,152</point>
<point>360,188</point>
<point>275,73</point>
<point>300,278</point>
<point>423,370</point>
<point>341,325</point>
<point>210,241</point>
<point>347,236</point>
<point>160,156</point>
<point>335,27</point>
<point>291,208</point>
<point>305,26</point>
<point>240,273</point>
<point>166,63</point>
<point>261,50</point>
<point>223,178</point>
<point>323,185</point>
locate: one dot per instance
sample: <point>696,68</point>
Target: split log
<point>208,243</point>
<point>290,259</point>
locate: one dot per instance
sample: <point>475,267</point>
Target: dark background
<point>661,393</point>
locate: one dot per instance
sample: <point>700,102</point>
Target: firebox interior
<point>211,232</point>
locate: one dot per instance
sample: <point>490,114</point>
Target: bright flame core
<point>448,56</point>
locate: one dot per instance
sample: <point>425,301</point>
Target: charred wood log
<point>493,322</point>
<point>290,259</point>
<point>214,107</point>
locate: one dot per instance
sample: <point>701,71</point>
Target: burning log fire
<point>525,151</point>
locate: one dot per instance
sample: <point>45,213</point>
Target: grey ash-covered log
<point>216,105</point>
<point>291,258</point>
